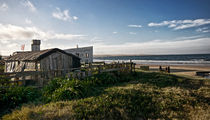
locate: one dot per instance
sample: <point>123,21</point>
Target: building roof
<point>88,47</point>
<point>36,55</point>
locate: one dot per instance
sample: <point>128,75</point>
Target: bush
<point>71,89</point>
<point>106,79</point>
<point>68,89</point>
<point>12,97</point>
<point>63,89</point>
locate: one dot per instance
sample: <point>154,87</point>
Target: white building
<point>85,53</point>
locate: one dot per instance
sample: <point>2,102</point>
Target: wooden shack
<point>44,60</point>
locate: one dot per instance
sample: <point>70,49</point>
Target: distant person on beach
<point>168,69</point>
<point>160,68</point>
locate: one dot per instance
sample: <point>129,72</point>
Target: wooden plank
<point>113,69</point>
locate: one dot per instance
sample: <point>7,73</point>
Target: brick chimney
<point>35,46</point>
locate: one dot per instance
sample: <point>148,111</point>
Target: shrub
<point>68,89</point>
<point>71,89</point>
<point>63,89</point>
<point>12,97</point>
<point>106,79</point>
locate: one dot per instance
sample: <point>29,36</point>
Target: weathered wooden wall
<point>55,61</point>
<point>58,61</point>
<point>19,66</point>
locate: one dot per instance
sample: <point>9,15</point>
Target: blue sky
<point>110,26</point>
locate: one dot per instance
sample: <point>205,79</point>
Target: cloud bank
<point>203,30</point>
<point>187,46</point>
<point>13,32</point>
<point>12,36</point>
<point>181,24</point>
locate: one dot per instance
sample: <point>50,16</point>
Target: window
<point>87,55</point>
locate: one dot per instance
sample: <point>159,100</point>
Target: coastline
<point>189,70</point>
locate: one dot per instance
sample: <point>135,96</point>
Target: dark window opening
<point>87,55</point>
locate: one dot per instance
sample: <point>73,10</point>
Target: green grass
<point>143,95</point>
<point>1,68</point>
<point>11,97</point>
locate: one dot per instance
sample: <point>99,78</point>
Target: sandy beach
<point>188,70</point>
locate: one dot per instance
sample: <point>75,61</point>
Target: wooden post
<point>79,75</point>
<point>69,75</point>
<point>74,75</point>
<point>36,68</point>
<point>99,69</point>
<point>40,82</point>
<point>41,79</point>
<point>83,74</point>
<point>15,79</point>
<point>23,80</point>
<point>89,73</point>
<point>131,66</point>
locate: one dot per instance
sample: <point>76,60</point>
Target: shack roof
<point>36,55</point>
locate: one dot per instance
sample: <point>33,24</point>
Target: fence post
<point>23,80</point>
<point>16,80</point>
<point>131,66</point>
<point>99,69</point>
<point>41,82</point>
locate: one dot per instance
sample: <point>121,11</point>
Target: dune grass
<point>143,95</point>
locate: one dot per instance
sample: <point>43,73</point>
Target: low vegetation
<point>11,97</point>
<point>140,95</point>
<point>1,68</point>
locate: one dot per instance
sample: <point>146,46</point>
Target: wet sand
<point>180,69</point>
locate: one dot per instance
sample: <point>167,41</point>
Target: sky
<point>110,26</point>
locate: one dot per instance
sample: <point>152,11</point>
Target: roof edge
<point>54,50</point>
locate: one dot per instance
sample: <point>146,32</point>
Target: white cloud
<point>188,37</point>
<point>13,32</point>
<point>63,15</point>
<point>203,30</point>
<point>3,7</point>
<point>75,18</point>
<point>96,40</point>
<point>28,21</point>
<point>114,32</point>
<point>132,33</point>
<point>29,4</point>
<point>135,26</point>
<point>12,36</point>
<point>195,46</point>
<point>181,24</point>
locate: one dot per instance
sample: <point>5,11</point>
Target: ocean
<point>190,59</point>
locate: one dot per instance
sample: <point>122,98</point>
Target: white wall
<point>85,53</point>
